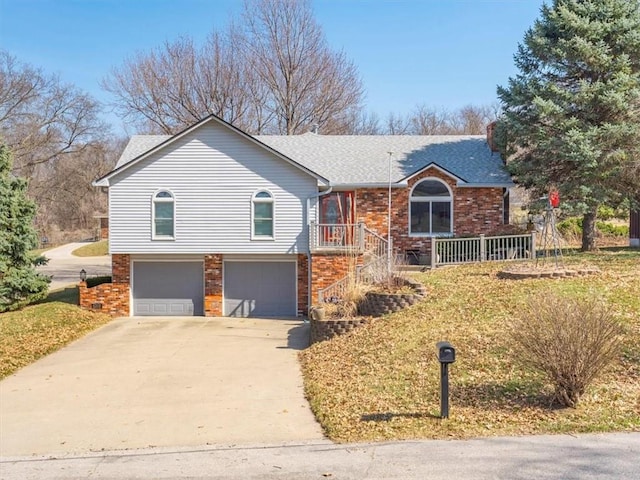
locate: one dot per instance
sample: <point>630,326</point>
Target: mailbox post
<point>446,355</point>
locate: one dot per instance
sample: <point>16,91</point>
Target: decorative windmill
<point>550,237</point>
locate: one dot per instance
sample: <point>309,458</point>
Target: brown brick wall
<point>109,298</point>
<point>121,268</point>
<point>475,211</point>
<point>213,285</point>
<point>327,269</point>
<point>303,284</point>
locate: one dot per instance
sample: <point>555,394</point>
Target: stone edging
<point>376,305</point>
<point>559,273</point>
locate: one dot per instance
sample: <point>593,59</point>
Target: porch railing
<point>348,238</point>
<point>451,251</point>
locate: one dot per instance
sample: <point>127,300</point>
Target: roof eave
<point>487,185</point>
<point>345,186</point>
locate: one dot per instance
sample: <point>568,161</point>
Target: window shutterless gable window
<point>262,216</point>
<point>163,213</point>
<point>430,209</point>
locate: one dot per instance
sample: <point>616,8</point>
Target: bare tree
<point>272,72</point>
<point>396,124</point>
<point>429,121</point>
<point>308,82</point>
<point>42,119</point>
<point>58,140</point>
<point>176,85</point>
<point>473,120</point>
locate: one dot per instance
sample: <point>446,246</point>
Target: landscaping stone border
<point>376,305</point>
<point>556,273</point>
<point>327,329</point>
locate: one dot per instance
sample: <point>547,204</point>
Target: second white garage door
<point>260,289</point>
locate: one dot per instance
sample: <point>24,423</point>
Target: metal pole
<point>444,390</point>
<point>389,223</point>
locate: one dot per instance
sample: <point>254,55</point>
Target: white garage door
<point>168,288</point>
<point>260,289</point>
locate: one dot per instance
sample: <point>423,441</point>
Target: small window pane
<point>441,217</point>
<point>164,227</point>
<point>164,210</point>
<point>420,219</point>
<point>263,195</point>
<point>263,227</point>
<point>430,188</point>
<point>163,195</point>
<point>263,210</point>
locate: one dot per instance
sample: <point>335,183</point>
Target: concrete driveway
<point>142,382</point>
<point>65,267</point>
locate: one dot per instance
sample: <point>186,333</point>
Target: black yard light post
<point>83,275</point>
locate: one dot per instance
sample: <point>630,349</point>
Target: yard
<point>382,381</point>
<point>38,330</point>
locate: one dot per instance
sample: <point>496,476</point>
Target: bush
<point>611,230</point>
<point>572,227</point>
<point>570,341</point>
<point>95,281</point>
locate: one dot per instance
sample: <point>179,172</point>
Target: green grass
<point>381,382</point>
<point>95,249</point>
<point>38,330</point>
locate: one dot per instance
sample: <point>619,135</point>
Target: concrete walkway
<point>65,267</point>
<point>141,382</point>
<point>557,457</point>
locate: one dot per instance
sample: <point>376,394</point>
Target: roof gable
<point>141,147</point>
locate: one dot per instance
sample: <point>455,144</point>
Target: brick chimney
<point>490,129</point>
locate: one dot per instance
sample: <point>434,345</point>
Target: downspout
<point>309,266</point>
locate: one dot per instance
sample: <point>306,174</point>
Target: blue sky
<point>441,53</point>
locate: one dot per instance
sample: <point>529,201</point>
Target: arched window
<point>262,215</point>
<point>430,209</point>
<point>163,215</point>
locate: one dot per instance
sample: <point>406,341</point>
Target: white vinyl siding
<point>213,173</point>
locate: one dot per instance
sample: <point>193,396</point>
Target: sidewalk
<point>583,457</point>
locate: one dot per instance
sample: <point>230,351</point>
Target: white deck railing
<point>348,238</point>
<point>452,251</point>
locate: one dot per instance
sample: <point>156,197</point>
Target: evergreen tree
<point>571,116</point>
<point>20,284</point>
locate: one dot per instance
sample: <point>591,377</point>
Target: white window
<point>163,215</point>
<point>430,209</point>
<point>262,216</point>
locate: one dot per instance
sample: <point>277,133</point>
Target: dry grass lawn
<point>381,382</point>
<point>95,249</point>
<point>38,330</point>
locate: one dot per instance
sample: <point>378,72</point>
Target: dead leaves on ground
<point>381,382</point>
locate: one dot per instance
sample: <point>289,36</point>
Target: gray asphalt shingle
<point>364,159</point>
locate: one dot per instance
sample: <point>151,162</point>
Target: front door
<point>337,214</point>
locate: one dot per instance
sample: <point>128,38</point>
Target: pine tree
<point>20,284</point>
<point>571,116</point>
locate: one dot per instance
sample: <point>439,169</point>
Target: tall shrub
<point>570,341</point>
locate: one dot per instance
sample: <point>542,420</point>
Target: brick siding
<point>213,285</point>
<point>328,268</point>
<point>109,298</point>
<point>303,284</point>
<point>475,211</point>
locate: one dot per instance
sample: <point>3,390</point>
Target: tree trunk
<point>589,231</point>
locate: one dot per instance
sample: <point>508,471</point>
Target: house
<point>213,221</point>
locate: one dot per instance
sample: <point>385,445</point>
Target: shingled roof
<point>364,159</point>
